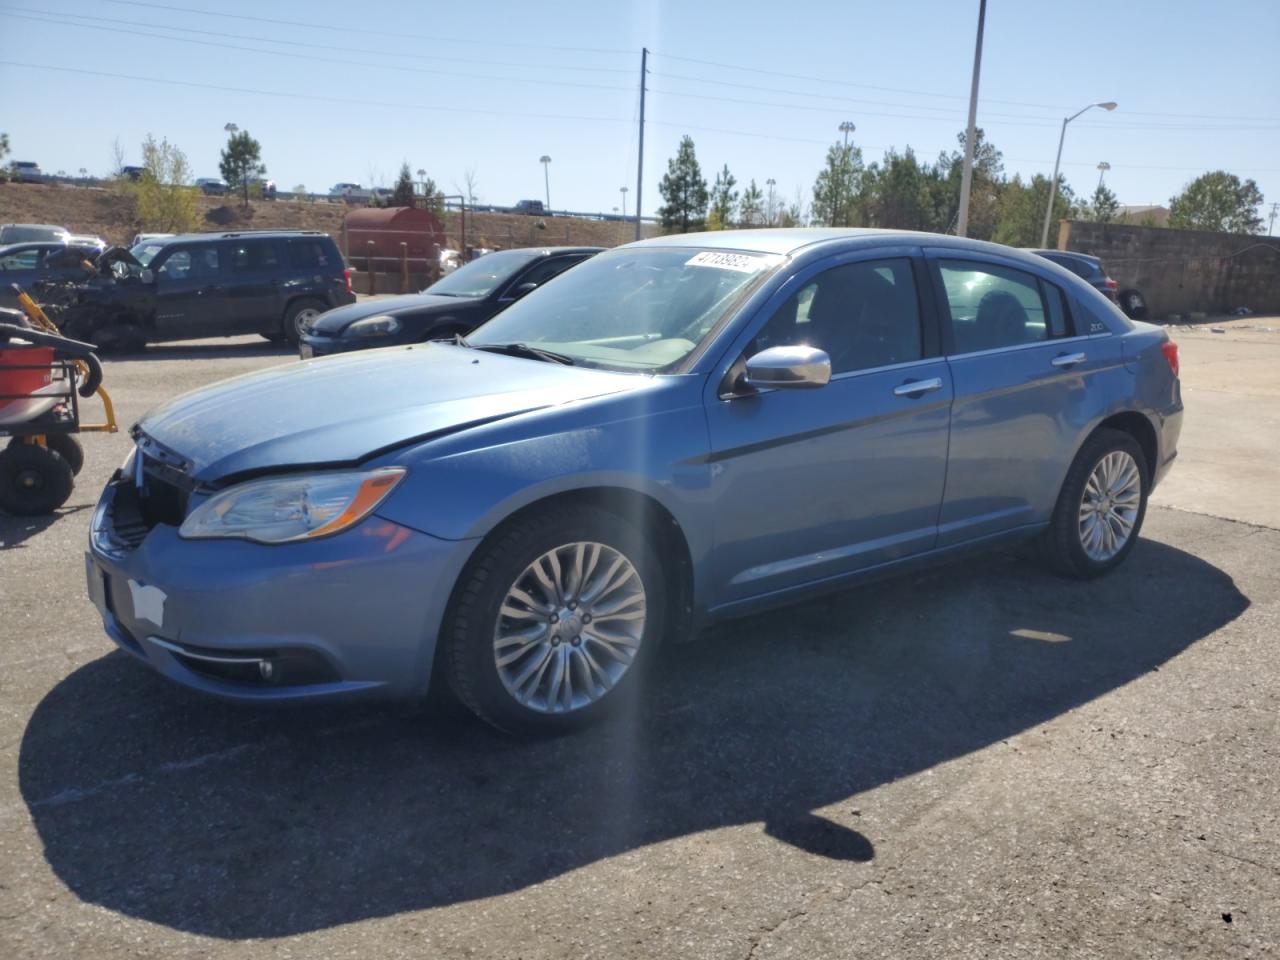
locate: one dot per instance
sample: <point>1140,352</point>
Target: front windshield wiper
<point>519,350</point>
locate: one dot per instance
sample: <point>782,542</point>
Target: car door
<point>1021,374</point>
<point>191,296</point>
<point>254,303</point>
<point>810,484</point>
<point>22,266</point>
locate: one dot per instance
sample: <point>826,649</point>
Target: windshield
<point>640,309</point>
<point>479,278</point>
<point>146,252</point>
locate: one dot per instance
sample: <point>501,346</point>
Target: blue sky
<point>494,85</point>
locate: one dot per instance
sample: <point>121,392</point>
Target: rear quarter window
<point>311,254</point>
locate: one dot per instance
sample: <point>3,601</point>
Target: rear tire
<point>300,313</point>
<point>587,668</point>
<point>66,446</point>
<point>34,480</point>
<point>1100,508</point>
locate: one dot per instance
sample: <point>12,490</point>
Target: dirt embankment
<point>110,215</point>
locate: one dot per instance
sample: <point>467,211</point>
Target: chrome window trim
<point>1023,346</point>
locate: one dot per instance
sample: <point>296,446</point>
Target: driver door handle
<point>916,388</point>
<point>1069,359</point>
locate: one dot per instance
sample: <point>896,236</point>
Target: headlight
<point>288,508</point>
<point>379,326</point>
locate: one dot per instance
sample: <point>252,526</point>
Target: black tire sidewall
<point>290,322</point>
<point>469,626</point>
<point>54,470</point>
<point>1065,530</point>
<point>67,447</point>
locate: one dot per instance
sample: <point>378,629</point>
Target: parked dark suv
<point>210,285</point>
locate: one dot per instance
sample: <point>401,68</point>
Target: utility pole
<point>1272,221</point>
<point>971,131</point>
<point>846,128</point>
<point>623,191</point>
<point>771,183</point>
<point>644,69</point>
<point>546,178</point>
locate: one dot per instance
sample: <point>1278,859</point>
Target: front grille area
<point>134,512</point>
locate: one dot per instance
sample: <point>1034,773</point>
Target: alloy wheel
<point>570,627</point>
<point>1109,506</point>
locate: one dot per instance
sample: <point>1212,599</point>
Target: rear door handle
<point>1069,359</point>
<point>916,388</point>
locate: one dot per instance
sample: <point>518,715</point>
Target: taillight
<point>1110,284</point>
<point>346,275</point>
<point>1170,351</point>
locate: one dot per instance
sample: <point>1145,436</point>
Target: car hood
<point>333,322</point>
<point>341,410</point>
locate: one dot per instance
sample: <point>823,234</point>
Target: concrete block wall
<point>1183,271</point>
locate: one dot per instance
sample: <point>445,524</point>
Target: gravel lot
<point>981,761</point>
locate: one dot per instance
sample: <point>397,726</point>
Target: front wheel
<point>1100,508</point>
<point>554,620</point>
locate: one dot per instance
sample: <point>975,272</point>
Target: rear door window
<point>253,256</point>
<point>993,306</point>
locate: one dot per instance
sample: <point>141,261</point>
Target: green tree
<point>1217,201</point>
<point>241,162</point>
<point>984,193</point>
<point>433,197</point>
<point>685,191</point>
<point>1021,211</point>
<point>751,212</point>
<point>836,196</point>
<point>1102,206</point>
<point>165,199</point>
<point>402,194</point>
<point>900,193</point>
<point>4,152</point>
<point>724,199</point>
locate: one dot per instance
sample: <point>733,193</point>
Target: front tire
<point>1100,508</point>
<point>554,620</point>
<point>299,314</point>
<point>34,480</point>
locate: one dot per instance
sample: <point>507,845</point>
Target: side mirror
<point>147,276</point>
<point>783,367</point>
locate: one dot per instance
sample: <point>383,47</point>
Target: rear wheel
<point>1100,508</point>
<point>554,621</point>
<point>299,315</point>
<point>34,480</point>
<point>63,444</point>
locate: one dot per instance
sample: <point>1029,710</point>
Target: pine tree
<point>402,194</point>
<point>835,192</point>
<point>751,211</point>
<point>684,190</point>
<point>724,199</point>
<point>241,162</point>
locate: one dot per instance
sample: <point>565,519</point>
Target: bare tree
<point>117,159</point>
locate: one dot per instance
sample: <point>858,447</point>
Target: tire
<point>34,480</point>
<point>472,636</point>
<point>1069,544</point>
<point>1133,304</point>
<point>300,312</point>
<point>68,447</point>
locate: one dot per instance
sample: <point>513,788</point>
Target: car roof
<point>1064,253</point>
<point>11,248</point>
<point>791,240</point>
<point>38,226</point>
<point>236,235</point>
<point>547,251</point>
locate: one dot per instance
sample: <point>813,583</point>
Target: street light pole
<point>971,132</point>
<point>546,177</point>
<point>846,128</point>
<point>623,191</point>
<point>1108,105</point>
<point>771,183</point>
<point>1103,167</point>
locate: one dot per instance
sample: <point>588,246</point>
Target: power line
<point>349,29</point>
<point>922,93</point>
<point>327,60</point>
<point>321,98</point>
<point>115,22</point>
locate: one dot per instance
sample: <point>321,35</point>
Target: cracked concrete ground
<point>983,761</point>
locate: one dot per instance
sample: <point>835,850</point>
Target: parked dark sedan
<point>1091,270</point>
<point>455,304</point>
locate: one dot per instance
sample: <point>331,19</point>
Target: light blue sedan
<point>675,432</point>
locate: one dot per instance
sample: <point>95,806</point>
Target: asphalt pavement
<point>980,761</point>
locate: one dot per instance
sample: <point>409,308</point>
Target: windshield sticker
<point>738,262</point>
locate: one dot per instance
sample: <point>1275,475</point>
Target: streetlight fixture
<point>546,179</point>
<point>230,128</point>
<point>623,191</point>
<point>1103,167</point>
<point>1107,105</point>
<point>422,181</point>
